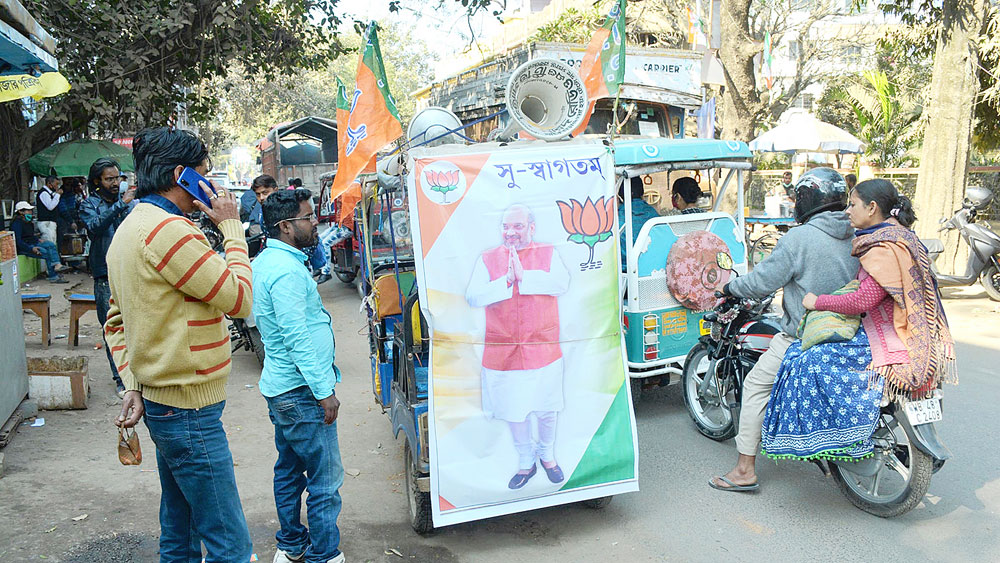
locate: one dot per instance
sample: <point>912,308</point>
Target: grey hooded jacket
<point>810,258</point>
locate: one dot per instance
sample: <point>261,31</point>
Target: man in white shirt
<point>517,283</point>
<point>48,208</point>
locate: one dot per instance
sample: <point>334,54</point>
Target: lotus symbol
<point>442,182</point>
<point>588,223</point>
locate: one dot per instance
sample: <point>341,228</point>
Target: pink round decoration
<point>693,275</point>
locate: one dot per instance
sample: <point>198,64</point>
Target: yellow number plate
<point>703,328</point>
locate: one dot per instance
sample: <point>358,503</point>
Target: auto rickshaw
<point>658,330</point>
<point>398,345</point>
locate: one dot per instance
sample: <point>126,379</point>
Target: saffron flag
<point>603,66</point>
<point>372,120</point>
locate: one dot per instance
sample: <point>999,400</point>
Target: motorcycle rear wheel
<point>990,278</point>
<point>709,412</point>
<point>256,343</point>
<point>902,479</point>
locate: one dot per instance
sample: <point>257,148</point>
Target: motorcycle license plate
<point>922,412</point>
<point>704,328</point>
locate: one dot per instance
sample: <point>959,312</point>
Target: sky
<point>443,25</point>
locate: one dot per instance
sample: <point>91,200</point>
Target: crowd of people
<point>163,294</point>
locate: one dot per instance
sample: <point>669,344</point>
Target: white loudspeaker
<point>433,122</point>
<point>388,170</point>
<point>546,99</point>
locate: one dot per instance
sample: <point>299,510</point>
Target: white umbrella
<point>802,132</point>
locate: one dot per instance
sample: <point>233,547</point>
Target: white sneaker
<point>282,557</point>
<point>338,559</point>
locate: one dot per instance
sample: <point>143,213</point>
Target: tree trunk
<point>944,159</point>
<point>15,176</point>
<point>741,103</point>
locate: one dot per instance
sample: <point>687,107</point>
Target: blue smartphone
<point>189,181</point>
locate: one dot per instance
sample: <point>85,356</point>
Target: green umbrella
<point>73,158</point>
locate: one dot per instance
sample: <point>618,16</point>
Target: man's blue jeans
<point>48,252</point>
<point>308,460</point>
<point>198,500</point>
<point>102,296</point>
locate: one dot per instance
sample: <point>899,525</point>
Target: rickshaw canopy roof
<point>633,152</point>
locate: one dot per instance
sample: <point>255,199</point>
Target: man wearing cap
<point>29,243</point>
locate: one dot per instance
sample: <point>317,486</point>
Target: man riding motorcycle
<point>814,257</point>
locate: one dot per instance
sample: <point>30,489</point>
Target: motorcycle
<point>907,449</point>
<point>984,245</point>
<point>243,333</point>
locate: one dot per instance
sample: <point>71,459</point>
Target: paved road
<point>67,468</point>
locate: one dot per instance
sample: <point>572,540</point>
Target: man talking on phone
<point>167,331</point>
<point>298,381</point>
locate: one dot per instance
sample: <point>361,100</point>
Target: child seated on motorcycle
<point>898,300</point>
<point>813,257</point>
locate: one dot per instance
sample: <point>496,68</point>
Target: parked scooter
<point>907,448</point>
<point>984,245</point>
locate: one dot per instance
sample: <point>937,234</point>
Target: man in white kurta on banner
<point>522,379</point>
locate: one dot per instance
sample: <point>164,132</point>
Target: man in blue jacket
<point>102,213</point>
<point>298,382</point>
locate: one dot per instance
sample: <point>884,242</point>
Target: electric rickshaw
<point>658,330</point>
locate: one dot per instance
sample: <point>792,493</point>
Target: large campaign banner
<point>518,273</point>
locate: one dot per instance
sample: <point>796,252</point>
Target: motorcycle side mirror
<point>942,221</point>
<point>724,260</point>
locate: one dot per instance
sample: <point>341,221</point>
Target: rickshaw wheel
<point>346,277</point>
<point>419,502</point>
<point>635,385</point>
<point>597,503</point>
<point>360,284</point>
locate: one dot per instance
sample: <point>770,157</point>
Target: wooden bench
<point>79,303</point>
<point>38,303</point>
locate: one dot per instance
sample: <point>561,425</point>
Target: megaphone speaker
<point>545,98</point>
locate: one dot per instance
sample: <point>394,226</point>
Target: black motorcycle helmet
<point>820,189</point>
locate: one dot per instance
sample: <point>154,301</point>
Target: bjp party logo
<point>588,223</point>
<point>443,183</point>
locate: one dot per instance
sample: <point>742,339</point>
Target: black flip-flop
<point>733,487</point>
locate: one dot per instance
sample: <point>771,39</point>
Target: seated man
<point>29,243</point>
<point>641,212</point>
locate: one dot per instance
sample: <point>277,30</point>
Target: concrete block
<point>58,383</point>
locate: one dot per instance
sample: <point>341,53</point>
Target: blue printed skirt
<point>822,405</point>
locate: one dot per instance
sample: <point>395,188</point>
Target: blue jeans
<point>199,502</point>
<point>48,252</point>
<point>308,460</point>
<point>102,295</point>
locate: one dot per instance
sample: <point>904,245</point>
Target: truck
<point>660,85</point>
<point>305,148</point>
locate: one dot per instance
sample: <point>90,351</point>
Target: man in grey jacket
<point>813,257</point>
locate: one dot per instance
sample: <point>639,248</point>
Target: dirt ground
<point>69,468</point>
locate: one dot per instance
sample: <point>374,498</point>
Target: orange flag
<point>371,122</point>
<point>603,65</point>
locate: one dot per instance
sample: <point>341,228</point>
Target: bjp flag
<point>603,66</point>
<point>368,120</point>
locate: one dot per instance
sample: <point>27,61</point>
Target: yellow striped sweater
<point>169,292</point>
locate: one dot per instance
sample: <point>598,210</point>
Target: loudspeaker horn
<point>430,123</point>
<point>546,99</point>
